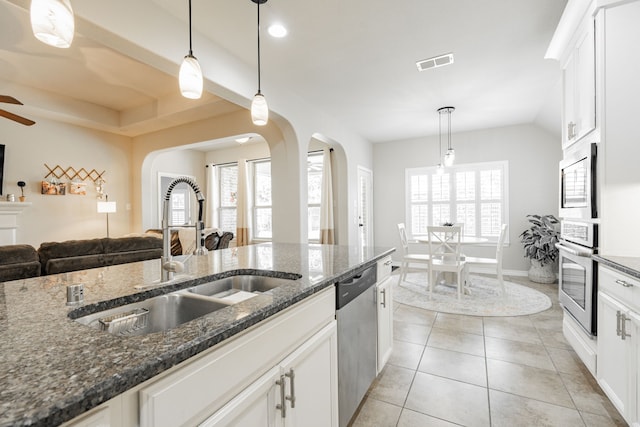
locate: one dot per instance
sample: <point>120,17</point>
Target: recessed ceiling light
<point>436,61</point>
<point>277,30</point>
<point>243,139</point>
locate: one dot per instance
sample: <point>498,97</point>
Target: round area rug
<point>484,297</point>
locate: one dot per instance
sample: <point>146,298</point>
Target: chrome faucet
<point>168,266</point>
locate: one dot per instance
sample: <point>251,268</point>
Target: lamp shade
<point>259,110</point>
<point>52,22</point>
<point>190,78</point>
<point>106,207</point>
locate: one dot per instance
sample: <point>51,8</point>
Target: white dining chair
<point>407,256</point>
<point>489,262</point>
<point>445,255</point>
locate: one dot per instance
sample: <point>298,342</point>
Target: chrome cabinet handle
<point>384,298</point>
<point>623,327</point>
<point>388,262</point>
<point>282,406</point>
<point>623,283</point>
<point>618,329</point>
<point>571,130</point>
<point>292,376</point>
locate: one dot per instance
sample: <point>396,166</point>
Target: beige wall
<point>533,157</point>
<point>55,218</point>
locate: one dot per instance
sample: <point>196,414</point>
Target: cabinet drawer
<point>621,286</point>
<point>196,389</point>
<point>384,268</point>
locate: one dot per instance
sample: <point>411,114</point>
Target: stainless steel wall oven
<point>578,184</point>
<point>578,272</point>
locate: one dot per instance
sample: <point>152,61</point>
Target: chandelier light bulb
<point>52,22</point>
<point>259,110</point>
<point>190,78</point>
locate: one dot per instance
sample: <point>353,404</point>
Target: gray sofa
<point>72,255</point>
<point>18,262</point>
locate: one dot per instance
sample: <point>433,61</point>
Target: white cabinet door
<point>311,374</point>
<point>579,104</point>
<point>385,322</point>
<point>258,405</point>
<point>614,365</point>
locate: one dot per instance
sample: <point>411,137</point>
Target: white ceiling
<point>354,60</point>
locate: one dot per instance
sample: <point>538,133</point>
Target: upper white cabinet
<point>579,85</point>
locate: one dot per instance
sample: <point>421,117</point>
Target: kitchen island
<point>53,369</point>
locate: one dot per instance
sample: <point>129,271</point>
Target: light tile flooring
<point>448,370</point>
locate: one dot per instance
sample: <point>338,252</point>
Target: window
<point>180,202</point>
<point>474,194</point>
<point>262,199</point>
<point>228,179</point>
<point>314,194</point>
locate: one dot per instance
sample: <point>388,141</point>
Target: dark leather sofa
<point>18,262</point>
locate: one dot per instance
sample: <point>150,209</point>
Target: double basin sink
<point>171,310</point>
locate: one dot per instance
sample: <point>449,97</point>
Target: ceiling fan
<point>11,100</point>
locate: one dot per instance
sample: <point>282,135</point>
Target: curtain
<point>326,201</point>
<point>212,199</point>
<point>243,218</point>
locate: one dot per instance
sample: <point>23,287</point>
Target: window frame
<point>310,205</point>
<point>254,199</point>
<point>220,206</point>
<point>477,168</point>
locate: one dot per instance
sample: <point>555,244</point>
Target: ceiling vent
<point>436,61</point>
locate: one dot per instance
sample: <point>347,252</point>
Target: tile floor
<point>448,370</point>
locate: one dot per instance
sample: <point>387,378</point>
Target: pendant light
<point>450,156</point>
<point>52,22</point>
<point>190,76</point>
<point>440,167</point>
<point>259,107</point>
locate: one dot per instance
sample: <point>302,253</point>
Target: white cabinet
<point>618,344</point>
<point>579,85</point>
<point>300,391</point>
<point>385,312</point>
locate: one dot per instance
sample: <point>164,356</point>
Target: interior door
<point>365,207</point>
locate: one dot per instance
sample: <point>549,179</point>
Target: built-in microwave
<point>578,184</point>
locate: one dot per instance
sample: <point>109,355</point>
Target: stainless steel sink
<point>244,284</point>
<point>155,314</point>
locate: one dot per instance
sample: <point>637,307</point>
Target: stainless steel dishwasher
<point>357,319</point>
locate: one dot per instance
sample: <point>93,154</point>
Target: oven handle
<point>575,251</point>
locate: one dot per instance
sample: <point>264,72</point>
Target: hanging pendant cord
<point>258,6</point>
<point>440,136</point>
<point>190,46</point>
<point>449,133</point>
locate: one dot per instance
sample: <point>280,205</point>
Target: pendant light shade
<point>259,110</point>
<point>190,77</point>
<point>259,107</point>
<point>450,155</point>
<point>52,22</point>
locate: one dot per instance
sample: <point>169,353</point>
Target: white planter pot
<point>542,273</point>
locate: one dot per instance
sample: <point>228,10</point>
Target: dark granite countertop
<point>53,368</point>
<point>627,265</point>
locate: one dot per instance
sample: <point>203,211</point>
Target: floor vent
<point>436,61</point>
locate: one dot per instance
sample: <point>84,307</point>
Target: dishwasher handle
<point>348,289</point>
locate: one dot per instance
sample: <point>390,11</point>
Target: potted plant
<point>22,184</point>
<point>540,247</point>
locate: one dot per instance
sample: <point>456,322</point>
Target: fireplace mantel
<point>9,212</point>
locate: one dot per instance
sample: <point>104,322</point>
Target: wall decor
<point>78,188</point>
<point>53,188</point>
<point>71,173</point>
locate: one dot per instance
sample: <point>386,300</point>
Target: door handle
<point>623,327</point>
<point>282,406</point>
<point>292,377</point>
<point>384,298</point>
